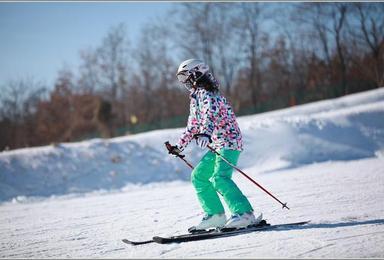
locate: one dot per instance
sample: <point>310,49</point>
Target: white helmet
<point>190,71</point>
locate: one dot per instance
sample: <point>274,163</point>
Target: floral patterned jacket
<point>212,115</point>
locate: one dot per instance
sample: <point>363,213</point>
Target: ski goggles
<point>183,76</point>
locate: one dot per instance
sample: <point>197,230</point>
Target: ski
<point>215,233</point>
<point>220,233</point>
<point>135,243</point>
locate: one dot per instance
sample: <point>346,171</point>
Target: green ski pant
<point>213,175</point>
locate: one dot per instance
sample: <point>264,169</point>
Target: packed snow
<point>325,159</point>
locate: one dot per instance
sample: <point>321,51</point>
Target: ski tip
<point>126,241</point>
<point>302,222</point>
<point>135,243</point>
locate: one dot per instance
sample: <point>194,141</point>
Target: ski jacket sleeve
<point>190,130</point>
<point>203,109</point>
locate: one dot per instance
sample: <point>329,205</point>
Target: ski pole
<point>249,178</point>
<point>181,156</point>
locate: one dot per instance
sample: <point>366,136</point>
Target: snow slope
<point>326,159</point>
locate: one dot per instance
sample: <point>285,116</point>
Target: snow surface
<point>326,159</point>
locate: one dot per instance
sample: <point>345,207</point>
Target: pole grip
<point>181,156</point>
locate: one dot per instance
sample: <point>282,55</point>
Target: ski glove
<point>173,149</point>
<point>202,141</point>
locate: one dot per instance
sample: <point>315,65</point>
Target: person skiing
<point>212,121</point>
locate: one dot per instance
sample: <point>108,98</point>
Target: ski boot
<point>238,221</point>
<point>209,222</point>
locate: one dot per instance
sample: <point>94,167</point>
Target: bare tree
<point>368,17</point>
<point>148,74</point>
<point>329,22</point>
<point>193,30</point>
<point>248,25</point>
<point>155,78</point>
<point>19,97</point>
<point>226,49</point>
<point>338,14</point>
<point>18,102</point>
<point>113,60</point>
<point>205,30</point>
<point>105,69</point>
<point>297,43</point>
<point>89,80</point>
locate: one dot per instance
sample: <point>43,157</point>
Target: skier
<point>212,121</point>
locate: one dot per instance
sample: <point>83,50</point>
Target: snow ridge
<point>347,128</point>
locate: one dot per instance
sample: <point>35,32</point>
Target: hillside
<point>347,128</point>
<point>325,159</point>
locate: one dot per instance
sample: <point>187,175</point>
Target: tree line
<point>265,55</point>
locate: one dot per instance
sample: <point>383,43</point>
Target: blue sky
<point>38,39</point>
